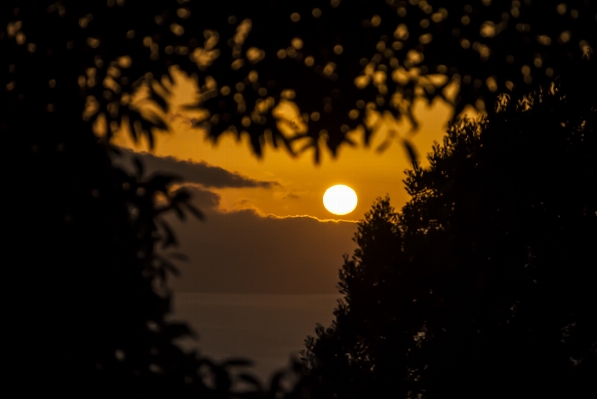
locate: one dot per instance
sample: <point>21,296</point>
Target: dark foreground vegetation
<point>480,287</point>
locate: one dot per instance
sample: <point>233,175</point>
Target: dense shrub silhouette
<point>482,285</point>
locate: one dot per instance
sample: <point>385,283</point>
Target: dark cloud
<point>204,199</point>
<point>291,195</point>
<point>244,252</point>
<point>193,172</point>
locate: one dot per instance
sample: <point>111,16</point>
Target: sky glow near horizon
<point>302,183</point>
<point>275,201</point>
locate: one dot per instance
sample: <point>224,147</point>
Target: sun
<point>340,199</point>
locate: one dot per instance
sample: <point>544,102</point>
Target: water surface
<point>265,328</point>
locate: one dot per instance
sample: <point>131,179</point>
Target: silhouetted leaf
<point>177,330</point>
<point>250,379</point>
<point>236,362</point>
<point>138,166</point>
<point>170,237</point>
<point>160,182</point>
<point>181,195</point>
<point>178,256</point>
<point>411,153</point>
<point>160,100</point>
<point>179,212</point>
<point>158,122</point>
<point>195,211</point>
<point>170,267</point>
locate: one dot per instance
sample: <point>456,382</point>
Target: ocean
<point>267,329</point>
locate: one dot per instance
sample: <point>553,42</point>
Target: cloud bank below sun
<point>247,250</point>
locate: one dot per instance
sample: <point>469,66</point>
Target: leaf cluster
<point>335,61</point>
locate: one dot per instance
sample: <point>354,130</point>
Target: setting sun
<point>340,199</point>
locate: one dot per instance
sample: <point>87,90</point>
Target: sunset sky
<point>166,172</point>
<point>274,202</point>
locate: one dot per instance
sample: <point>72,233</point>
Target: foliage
<point>482,285</point>
<point>335,60</point>
<point>84,297</point>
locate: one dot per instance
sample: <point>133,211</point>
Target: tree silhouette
<point>335,60</point>
<point>340,359</point>
<point>84,295</point>
<point>482,285</point>
<point>83,302</point>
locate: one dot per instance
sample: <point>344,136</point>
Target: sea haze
<point>266,328</point>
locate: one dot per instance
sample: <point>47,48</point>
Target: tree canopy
<point>336,61</point>
<point>481,286</point>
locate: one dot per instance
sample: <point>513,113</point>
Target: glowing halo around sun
<point>340,199</point>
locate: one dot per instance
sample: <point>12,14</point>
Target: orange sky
<point>252,241</point>
<point>302,183</point>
